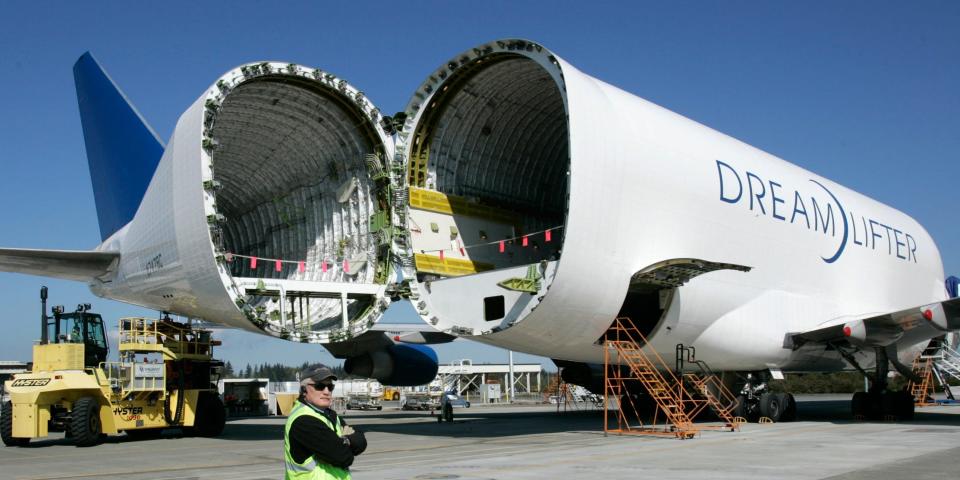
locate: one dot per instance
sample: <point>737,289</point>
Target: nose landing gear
<point>755,402</point>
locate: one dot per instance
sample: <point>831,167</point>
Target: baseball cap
<point>317,373</point>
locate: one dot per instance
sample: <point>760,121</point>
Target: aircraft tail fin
<point>122,149</point>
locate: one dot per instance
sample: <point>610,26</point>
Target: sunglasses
<point>322,386</point>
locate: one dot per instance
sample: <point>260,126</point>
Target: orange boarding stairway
<point>922,391</point>
<point>680,400</point>
<point>626,364</point>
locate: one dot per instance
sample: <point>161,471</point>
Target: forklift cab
<point>80,326</point>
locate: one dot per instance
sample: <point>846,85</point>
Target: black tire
<point>210,417</point>
<point>860,405</point>
<point>448,413</point>
<point>771,406</point>
<point>6,427</point>
<point>789,407</point>
<point>740,409</point>
<point>907,407</point>
<point>85,422</point>
<point>144,434</point>
<point>747,409</point>
<point>897,404</point>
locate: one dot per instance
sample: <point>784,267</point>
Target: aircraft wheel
<point>747,409</point>
<point>740,410</point>
<point>898,404</point>
<point>85,422</point>
<point>448,413</point>
<point>907,407</point>
<point>771,406</point>
<point>6,427</point>
<point>789,407</point>
<point>860,404</point>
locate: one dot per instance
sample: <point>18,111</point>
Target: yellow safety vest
<point>310,469</point>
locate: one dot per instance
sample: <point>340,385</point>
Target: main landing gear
<point>878,403</point>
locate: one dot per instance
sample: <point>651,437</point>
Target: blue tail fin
<point>122,150</point>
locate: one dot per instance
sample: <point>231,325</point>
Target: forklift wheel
<point>6,427</point>
<point>85,422</point>
<point>210,416</point>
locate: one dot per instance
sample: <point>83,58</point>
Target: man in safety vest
<point>317,443</point>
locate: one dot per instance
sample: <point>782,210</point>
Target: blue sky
<point>863,93</point>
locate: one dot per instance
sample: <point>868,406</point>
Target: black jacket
<point>310,436</point>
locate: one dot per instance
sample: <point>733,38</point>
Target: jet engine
<point>398,365</point>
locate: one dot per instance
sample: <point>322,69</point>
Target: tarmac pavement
<point>532,442</point>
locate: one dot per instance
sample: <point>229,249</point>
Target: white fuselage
<point>642,185</point>
<point>647,185</point>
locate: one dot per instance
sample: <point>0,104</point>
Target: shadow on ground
<point>470,423</point>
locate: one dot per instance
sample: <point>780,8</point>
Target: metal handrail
<point>179,340</point>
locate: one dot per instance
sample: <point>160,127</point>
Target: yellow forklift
<point>166,377</point>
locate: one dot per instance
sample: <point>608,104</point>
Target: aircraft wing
<point>912,325</point>
<point>414,333</point>
<point>66,264</point>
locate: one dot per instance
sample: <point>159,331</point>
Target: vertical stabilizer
<point>122,150</point>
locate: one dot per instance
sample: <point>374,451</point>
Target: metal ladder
<point>922,369</point>
<point>664,388</point>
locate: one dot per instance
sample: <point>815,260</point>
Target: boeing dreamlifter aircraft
<point>516,201</point>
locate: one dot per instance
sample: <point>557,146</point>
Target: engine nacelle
<point>871,334</point>
<point>397,365</point>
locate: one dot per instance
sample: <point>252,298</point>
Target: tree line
<point>835,382</point>
<point>275,372</point>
